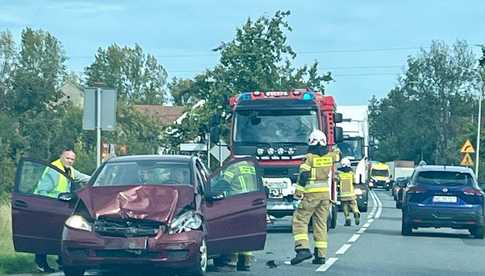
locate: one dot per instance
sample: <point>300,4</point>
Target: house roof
<point>166,115</point>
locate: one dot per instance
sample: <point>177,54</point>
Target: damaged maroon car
<point>155,211</point>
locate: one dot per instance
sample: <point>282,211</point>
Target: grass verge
<point>11,261</point>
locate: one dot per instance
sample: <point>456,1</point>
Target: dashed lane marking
<point>327,264</point>
<point>343,249</point>
<point>354,238</point>
<point>373,215</point>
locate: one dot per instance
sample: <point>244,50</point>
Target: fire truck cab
<point>274,126</point>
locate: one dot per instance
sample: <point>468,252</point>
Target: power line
<point>329,51</point>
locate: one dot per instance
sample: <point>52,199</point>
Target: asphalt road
<point>375,247</point>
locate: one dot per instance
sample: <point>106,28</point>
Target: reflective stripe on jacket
<point>346,184</point>
<point>320,168</point>
<point>61,184</point>
<point>241,178</point>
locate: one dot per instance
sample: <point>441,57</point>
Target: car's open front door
<point>37,216</point>
<point>235,208</point>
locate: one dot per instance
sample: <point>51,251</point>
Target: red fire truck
<point>274,127</point>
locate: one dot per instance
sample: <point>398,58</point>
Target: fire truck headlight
<point>291,151</point>
<point>260,151</point>
<point>270,151</point>
<point>280,151</point>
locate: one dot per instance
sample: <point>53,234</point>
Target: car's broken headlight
<point>186,221</point>
<point>79,223</point>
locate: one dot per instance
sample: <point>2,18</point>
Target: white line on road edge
<point>342,249</point>
<point>327,264</point>
<point>361,230</point>
<point>354,238</point>
<point>366,225</point>
<point>379,210</point>
<point>370,221</point>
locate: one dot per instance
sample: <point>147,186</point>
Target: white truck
<point>355,146</point>
<point>400,168</point>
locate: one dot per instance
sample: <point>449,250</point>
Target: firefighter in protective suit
<point>347,195</point>
<point>313,189</point>
<point>242,179</point>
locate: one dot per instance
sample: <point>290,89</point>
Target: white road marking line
<point>379,210</point>
<point>327,264</point>
<point>354,238</point>
<point>366,225</point>
<point>342,249</point>
<point>370,221</point>
<point>361,230</point>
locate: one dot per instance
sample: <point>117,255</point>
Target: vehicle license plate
<point>137,244</point>
<point>277,183</point>
<point>444,199</point>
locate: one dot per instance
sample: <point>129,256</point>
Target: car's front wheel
<point>200,267</point>
<point>478,232</point>
<point>73,271</point>
<point>406,227</point>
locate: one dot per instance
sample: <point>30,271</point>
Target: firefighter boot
<point>347,222</point>
<point>318,259</point>
<point>357,218</point>
<point>301,255</point>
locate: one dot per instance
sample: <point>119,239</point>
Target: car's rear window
<point>444,178</point>
<point>143,173</point>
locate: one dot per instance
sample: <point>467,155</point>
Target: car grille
<point>126,254</point>
<point>126,228</point>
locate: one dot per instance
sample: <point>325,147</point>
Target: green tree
<point>8,57</point>
<point>428,114</point>
<point>137,77</point>
<point>39,72</point>
<point>258,58</point>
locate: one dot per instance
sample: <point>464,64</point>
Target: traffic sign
<point>467,147</point>
<point>467,160</point>
<point>221,152</point>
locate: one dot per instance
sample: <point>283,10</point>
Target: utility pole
<point>477,157</point>
<point>98,127</point>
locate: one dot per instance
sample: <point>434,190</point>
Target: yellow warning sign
<point>467,147</point>
<point>467,160</point>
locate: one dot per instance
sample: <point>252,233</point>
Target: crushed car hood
<point>156,203</point>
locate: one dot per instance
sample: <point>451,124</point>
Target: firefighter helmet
<point>346,163</point>
<point>317,137</point>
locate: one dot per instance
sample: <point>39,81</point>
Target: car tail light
<point>472,192</point>
<point>416,190</point>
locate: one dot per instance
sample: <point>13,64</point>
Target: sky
<point>364,44</point>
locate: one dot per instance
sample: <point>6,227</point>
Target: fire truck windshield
<point>274,126</point>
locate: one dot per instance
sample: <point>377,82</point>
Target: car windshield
<point>376,172</point>
<point>352,148</point>
<point>444,178</point>
<point>274,126</point>
<point>143,173</point>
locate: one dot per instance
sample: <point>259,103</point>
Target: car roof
<point>153,157</point>
<point>441,168</point>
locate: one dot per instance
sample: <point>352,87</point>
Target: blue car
<point>443,196</point>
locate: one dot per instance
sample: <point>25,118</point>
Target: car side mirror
<point>338,118</point>
<point>338,135</point>
<point>66,197</point>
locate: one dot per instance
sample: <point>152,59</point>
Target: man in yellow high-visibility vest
<point>347,194</point>
<point>313,189</point>
<point>52,184</point>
